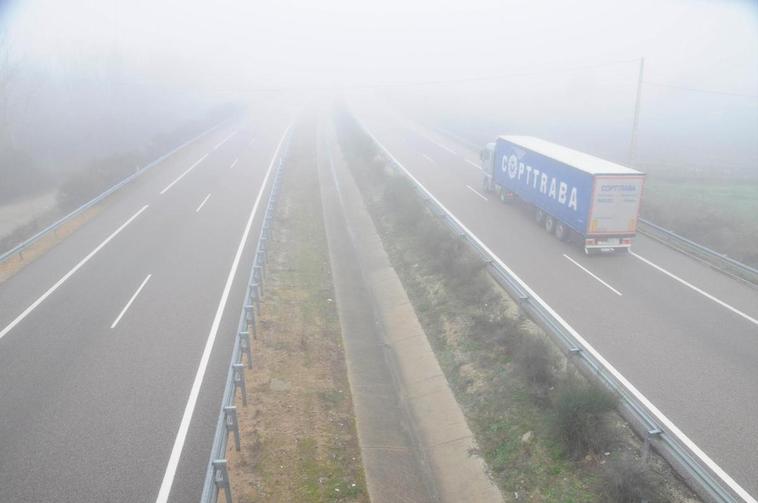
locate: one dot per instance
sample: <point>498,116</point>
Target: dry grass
<point>299,441</point>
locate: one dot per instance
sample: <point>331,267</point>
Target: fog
<point>87,77</point>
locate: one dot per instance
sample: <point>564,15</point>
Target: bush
<point>535,360</point>
<point>626,480</point>
<point>582,417</point>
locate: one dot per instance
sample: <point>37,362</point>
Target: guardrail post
<point>239,381</point>
<point>221,478</point>
<point>246,349</point>
<point>230,420</point>
<point>255,294</point>
<point>250,317</point>
<point>258,278</point>
<point>646,447</point>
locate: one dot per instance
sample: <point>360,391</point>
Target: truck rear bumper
<point>607,244</point>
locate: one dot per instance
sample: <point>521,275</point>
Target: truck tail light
<point>589,241</point>
<point>626,241</point>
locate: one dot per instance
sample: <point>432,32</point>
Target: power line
<point>698,90</point>
<point>491,77</point>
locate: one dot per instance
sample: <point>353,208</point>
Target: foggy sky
<point>186,54</point>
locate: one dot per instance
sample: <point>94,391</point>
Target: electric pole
<point>633,143</point>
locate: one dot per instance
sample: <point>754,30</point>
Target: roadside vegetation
<point>22,178</point>
<point>299,441</point>
<point>718,214</point>
<point>546,433</point>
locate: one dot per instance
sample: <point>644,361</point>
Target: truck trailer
<point>574,195</point>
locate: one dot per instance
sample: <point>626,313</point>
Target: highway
<point>685,335</point>
<point>115,344</point>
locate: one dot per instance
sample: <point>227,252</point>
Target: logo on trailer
<point>544,183</point>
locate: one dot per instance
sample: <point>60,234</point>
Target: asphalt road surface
<point>685,335</point>
<point>101,338</point>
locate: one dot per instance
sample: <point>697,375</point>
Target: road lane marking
<point>182,175</point>
<point>698,290</point>
<point>440,145</point>
<point>234,163</point>
<point>663,419</point>
<point>218,145</point>
<point>181,435</point>
<point>474,164</point>
<point>123,311</point>
<point>609,287</point>
<point>472,189</point>
<point>70,273</point>
<point>428,158</point>
<point>203,203</point>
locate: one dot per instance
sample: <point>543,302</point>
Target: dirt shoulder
<point>299,440</point>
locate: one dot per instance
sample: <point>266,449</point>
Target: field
<point>722,215</point>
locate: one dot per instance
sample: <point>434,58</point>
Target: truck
<point>575,196</point>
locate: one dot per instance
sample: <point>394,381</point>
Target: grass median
<point>299,441</point>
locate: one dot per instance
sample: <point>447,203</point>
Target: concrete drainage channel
<point>217,475</point>
<point>658,432</point>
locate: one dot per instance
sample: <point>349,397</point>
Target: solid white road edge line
<point>428,158</point>
<point>218,145</point>
<point>698,290</point>
<point>181,435</point>
<point>580,266</point>
<point>665,421</point>
<point>234,163</point>
<point>126,307</point>
<point>182,175</point>
<point>70,273</point>
<point>472,189</point>
<point>203,203</point>
<point>474,164</point>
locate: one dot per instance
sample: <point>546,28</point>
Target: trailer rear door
<point>615,205</point>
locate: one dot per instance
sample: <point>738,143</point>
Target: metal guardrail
<point>19,248</point>
<point>718,260</point>
<point>217,474</point>
<point>702,473</point>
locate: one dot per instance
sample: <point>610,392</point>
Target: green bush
<point>582,417</point>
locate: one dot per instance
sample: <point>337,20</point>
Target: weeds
<point>627,480</point>
<point>581,413</point>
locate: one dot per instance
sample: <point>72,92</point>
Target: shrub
<point>626,480</point>
<point>535,360</point>
<point>582,417</point>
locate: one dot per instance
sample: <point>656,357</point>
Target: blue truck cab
<point>572,194</point>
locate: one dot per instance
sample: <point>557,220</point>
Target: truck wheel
<point>549,224</point>
<point>503,196</point>
<point>539,216</point>
<point>561,231</point>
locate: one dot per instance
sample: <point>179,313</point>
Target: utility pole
<point>635,126</point>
